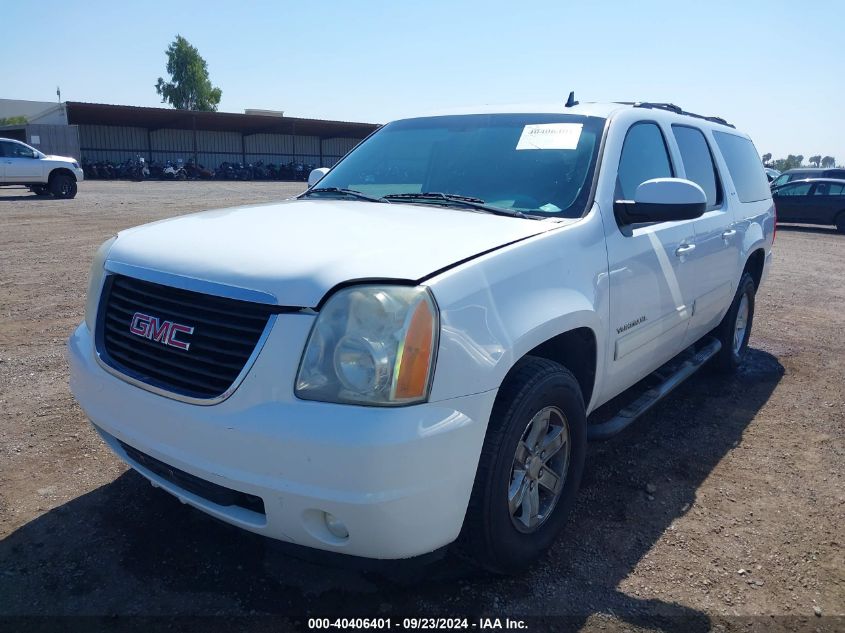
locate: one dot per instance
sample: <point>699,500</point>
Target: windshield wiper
<point>352,193</point>
<point>453,198</point>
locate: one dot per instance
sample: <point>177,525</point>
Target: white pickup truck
<point>21,164</point>
<point>407,355</point>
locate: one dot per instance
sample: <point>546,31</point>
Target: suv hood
<point>298,250</point>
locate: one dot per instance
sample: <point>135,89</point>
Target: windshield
<point>539,164</point>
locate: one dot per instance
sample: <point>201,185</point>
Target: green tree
<point>828,161</point>
<point>12,120</point>
<point>790,162</point>
<point>766,158</point>
<point>815,160</point>
<point>189,87</point>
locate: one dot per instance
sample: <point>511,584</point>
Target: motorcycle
<point>174,172</point>
<point>196,171</point>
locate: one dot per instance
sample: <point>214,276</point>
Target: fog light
<point>336,526</point>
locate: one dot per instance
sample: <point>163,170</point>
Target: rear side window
<point>799,189</point>
<point>644,157</point>
<point>828,189</point>
<point>835,173</point>
<point>744,166</point>
<point>698,162</point>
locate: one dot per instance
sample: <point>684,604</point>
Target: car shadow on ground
<point>126,549</point>
<point>24,197</point>
<point>808,228</point>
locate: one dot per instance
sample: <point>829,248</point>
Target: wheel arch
<point>64,171</point>
<point>754,265</point>
<point>575,349</point>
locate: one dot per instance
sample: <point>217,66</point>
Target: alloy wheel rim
<point>741,324</point>
<point>539,469</point>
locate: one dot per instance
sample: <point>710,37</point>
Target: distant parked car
<point>771,174</point>
<point>801,173</point>
<point>21,164</point>
<point>812,201</point>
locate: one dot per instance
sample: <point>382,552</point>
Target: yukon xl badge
<point>629,325</point>
<point>163,332</point>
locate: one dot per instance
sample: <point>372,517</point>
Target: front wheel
<point>530,467</point>
<point>735,329</point>
<point>63,186</point>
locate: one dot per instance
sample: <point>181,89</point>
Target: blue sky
<point>773,68</point>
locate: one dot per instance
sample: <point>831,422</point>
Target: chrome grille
<point>226,332</point>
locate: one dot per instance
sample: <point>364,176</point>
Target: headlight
<point>371,345</point>
<point>95,283</point>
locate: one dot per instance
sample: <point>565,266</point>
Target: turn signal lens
<point>414,360</point>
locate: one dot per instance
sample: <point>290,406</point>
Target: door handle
<point>728,234</point>
<point>684,249</point>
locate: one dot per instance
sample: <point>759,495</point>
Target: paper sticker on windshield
<point>550,136</point>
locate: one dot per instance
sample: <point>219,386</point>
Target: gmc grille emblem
<point>163,332</point>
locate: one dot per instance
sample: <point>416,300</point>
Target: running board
<point>652,396</point>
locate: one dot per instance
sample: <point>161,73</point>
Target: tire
<point>492,536</point>
<point>840,222</point>
<point>63,186</point>
<point>734,343</point>
<point>40,190</point>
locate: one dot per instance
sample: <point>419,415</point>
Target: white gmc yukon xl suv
<point>21,164</point>
<point>407,355</point>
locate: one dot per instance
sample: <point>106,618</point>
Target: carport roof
<point>167,118</point>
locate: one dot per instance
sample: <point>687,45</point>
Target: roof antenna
<point>571,100</point>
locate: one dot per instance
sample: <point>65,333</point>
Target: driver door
<point>22,163</point>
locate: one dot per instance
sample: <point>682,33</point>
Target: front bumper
<point>398,478</point>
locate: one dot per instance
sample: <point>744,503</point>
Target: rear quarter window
<point>744,166</point>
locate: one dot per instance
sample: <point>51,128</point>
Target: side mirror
<point>316,175</point>
<point>662,200</point>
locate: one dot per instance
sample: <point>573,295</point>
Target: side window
<point>781,180</point>
<point>744,166</point>
<point>6,149</point>
<point>20,151</point>
<point>801,189</point>
<point>836,173</point>
<point>698,162</point>
<point>828,189</point>
<point>644,156</point>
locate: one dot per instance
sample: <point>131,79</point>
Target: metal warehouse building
<point>117,132</point>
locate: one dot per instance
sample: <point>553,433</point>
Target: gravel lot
<point>727,500</point>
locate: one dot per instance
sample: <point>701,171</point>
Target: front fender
<point>496,309</point>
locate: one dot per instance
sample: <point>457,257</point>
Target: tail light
<point>775,232</point>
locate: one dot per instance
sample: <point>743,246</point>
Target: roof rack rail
<point>671,107</point>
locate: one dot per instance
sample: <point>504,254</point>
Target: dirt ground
<point>722,509</point>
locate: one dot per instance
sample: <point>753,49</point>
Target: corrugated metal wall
<point>60,140</point>
<point>119,143</point>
